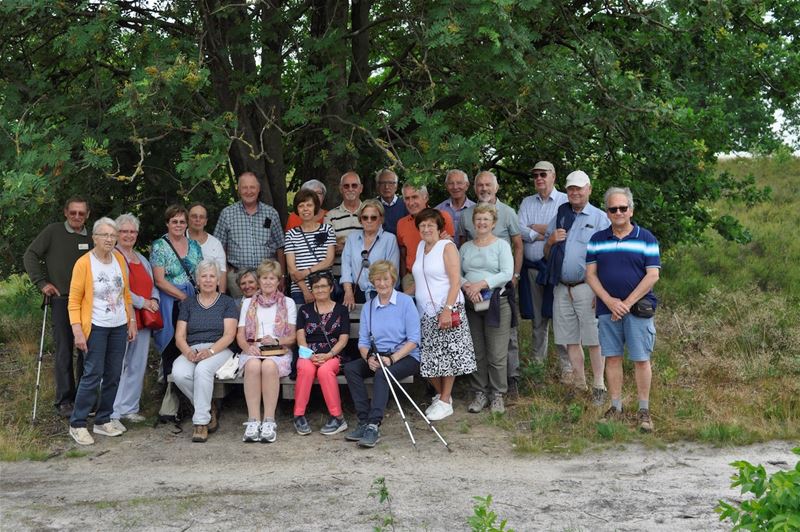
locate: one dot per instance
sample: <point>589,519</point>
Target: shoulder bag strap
<point>322,326</point>
<point>185,269</point>
<point>425,277</point>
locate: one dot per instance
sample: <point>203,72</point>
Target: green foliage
<point>381,492</point>
<point>775,502</point>
<point>484,519</point>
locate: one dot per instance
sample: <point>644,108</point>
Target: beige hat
<point>577,178</point>
<point>544,165</point>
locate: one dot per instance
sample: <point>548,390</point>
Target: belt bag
<point>643,308</point>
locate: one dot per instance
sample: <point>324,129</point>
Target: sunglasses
<point>350,185</point>
<point>365,258</point>
<point>77,213</point>
<point>621,208</point>
<point>369,217</point>
<point>539,174</point>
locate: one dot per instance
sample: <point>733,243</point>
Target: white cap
<point>578,178</point>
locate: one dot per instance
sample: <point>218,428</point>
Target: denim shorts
<point>639,334</point>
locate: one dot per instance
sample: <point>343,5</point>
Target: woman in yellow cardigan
<point>102,319</point>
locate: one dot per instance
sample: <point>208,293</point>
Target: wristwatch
<point>211,351</point>
<point>450,307</point>
<point>516,276</point>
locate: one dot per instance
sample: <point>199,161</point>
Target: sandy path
<point>153,479</point>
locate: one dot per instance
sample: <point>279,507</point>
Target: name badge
<point>83,247</point>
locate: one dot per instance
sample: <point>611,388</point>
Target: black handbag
<point>643,308</point>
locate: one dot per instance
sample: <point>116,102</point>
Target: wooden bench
<point>287,384</point>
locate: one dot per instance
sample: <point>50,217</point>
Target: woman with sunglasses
<point>309,248</point>
<point>361,249</point>
<point>323,328</point>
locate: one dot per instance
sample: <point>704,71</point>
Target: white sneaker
<point>118,425</point>
<point>433,403</point>
<point>81,436</point>
<point>441,410</point>
<point>251,431</point>
<point>106,429</point>
<point>134,418</point>
<point>268,432</point>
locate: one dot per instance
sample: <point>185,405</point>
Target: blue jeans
<point>357,370</point>
<point>101,362</point>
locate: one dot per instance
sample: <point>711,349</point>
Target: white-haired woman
<point>102,319</point>
<point>144,296</point>
<point>206,327</point>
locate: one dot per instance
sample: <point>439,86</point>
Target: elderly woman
<point>144,296</point>
<point>317,187</point>
<point>487,265</point>
<point>446,346</point>
<point>309,248</point>
<point>361,249</point>
<point>323,327</point>
<point>266,330</point>
<point>391,319</point>
<point>103,321</point>
<point>174,258</point>
<point>206,327</point>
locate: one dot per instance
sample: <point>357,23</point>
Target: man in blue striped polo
<point>622,266</point>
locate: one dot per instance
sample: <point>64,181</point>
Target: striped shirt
<point>343,222</point>
<point>535,210</point>
<point>308,248</point>
<point>249,238</point>
<point>622,263</point>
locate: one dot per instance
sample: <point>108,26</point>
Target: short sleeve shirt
<point>309,248</point>
<point>249,238</point>
<point>206,325</point>
<point>316,326</point>
<point>507,223</point>
<point>162,255</point>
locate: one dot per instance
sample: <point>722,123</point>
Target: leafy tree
<point>138,104</point>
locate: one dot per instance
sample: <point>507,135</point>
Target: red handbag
<point>151,320</point>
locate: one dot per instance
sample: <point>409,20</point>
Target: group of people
<point>438,290</point>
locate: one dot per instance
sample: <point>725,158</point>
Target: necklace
<point>106,260</point>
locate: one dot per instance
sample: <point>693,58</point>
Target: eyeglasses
<point>128,231</point>
<point>77,213</point>
<point>386,183</point>
<point>178,222</point>
<point>365,258</point>
<point>369,217</point>
<point>621,208</point>
<point>351,185</point>
<point>106,236</point>
<point>539,174</point>
<point>325,286</point>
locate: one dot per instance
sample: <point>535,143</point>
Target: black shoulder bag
<point>185,269</point>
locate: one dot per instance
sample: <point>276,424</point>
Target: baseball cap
<point>578,178</point>
<point>544,165</point>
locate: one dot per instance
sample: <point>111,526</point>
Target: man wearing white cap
<point>535,213</point>
<point>574,320</point>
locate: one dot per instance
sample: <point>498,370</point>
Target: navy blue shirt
<point>622,263</point>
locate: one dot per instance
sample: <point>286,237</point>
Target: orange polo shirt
<point>408,235</point>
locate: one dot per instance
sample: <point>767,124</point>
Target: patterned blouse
<point>161,255</point>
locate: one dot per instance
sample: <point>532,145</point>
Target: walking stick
<point>45,304</point>
<point>388,376</point>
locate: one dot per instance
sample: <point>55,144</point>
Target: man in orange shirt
<point>408,237</point>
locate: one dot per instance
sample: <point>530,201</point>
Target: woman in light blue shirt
<point>363,248</point>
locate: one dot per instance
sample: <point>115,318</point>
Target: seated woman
<point>390,318</point>
<point>248,284</point>
<point>486,266</point>
<point>323,327</point>
<point>103,321</point>
<point>361,249</point>
<point>266,329</point>
<point>206,327</point>
<point>309,247</point>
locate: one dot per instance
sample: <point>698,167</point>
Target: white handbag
<point>229,369</point>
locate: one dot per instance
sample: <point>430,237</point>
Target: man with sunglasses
<point>394,207</point>
<point>535,213</point>
<point>622,266</point>
<point>344,218</point>
<point>574,320</point>
<point>57,248</point>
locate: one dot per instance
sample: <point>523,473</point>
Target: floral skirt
<point>446,352</point>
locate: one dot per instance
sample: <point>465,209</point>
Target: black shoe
<point>65,410</point>
<point>513,390</point>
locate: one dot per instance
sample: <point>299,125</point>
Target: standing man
<point>344,218</point>
<point>457,184</point>
<point>57,248</point>
<point>249,231</point>
<point>574,320</point>
<point>393,207</point>
<point>507,228</point>
<point>622,266</point>
<point>534,214</point>
<point>209,244</point>
<point>408,237</point>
